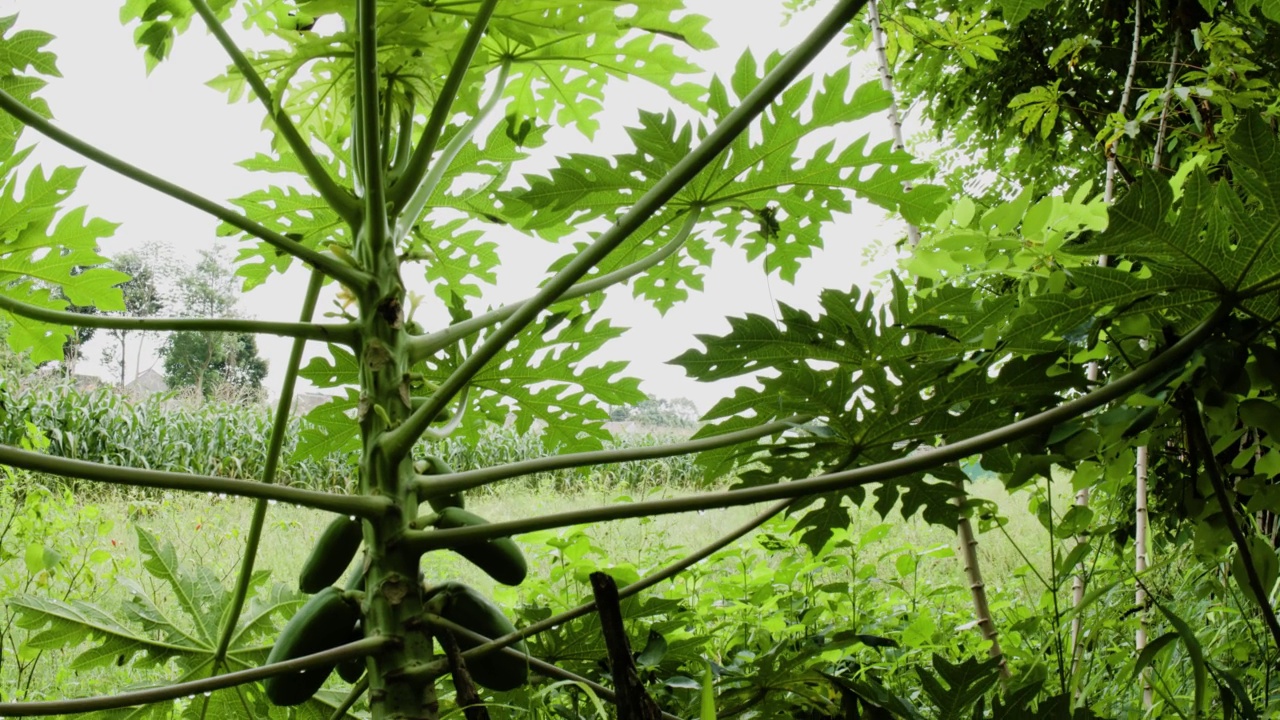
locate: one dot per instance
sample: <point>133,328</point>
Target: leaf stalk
<point>341,334</point>
<point>880,472</point>
<point>416,169</point>
<point>327,264</point>
<point>274,445</point>
<point>471,479</point>
<point>338,198</point>
<point>149,696</point>
<point>360,506</point>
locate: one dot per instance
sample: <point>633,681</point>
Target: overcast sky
<point>173,125</point>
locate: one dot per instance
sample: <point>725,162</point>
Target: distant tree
<point>207,361</point>
<point>142,298</point>
<point>660,412</point>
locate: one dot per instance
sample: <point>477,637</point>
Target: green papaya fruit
<point>433,465</point>
<point>309,631</point>
<point>465,606</point>
<point>331,555</point>
<point>353,669</point>
<point>500,557</point>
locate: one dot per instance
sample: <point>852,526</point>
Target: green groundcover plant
<point>405,119</point>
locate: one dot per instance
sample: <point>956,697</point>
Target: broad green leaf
<point>1218,242</point>
<point>1265,565</point>
<point>45,248</point>
<point>198,593</point>
<point>707,710</point>
<point>964,684</point>
<point>883,389</point>
<point>330,428</point>
<point>160,22</point>
<point>1148,654</point>
<point>542,376</point>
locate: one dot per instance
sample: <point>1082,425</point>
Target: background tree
<point>661,412</point>
<point>1028,93</point>
<point>206,361</point>
<point>210,364</point>
<point>143,297</point>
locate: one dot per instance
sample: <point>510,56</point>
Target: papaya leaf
<point>160,22</point>
<point>954,689</point>
<point>882,389</point>
<point>542,376</point>
<point>757,196</point>
<point>1217,242</point>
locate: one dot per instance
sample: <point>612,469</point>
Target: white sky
<point>173,125</point>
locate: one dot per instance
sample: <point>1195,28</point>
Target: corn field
<point>225,439</point>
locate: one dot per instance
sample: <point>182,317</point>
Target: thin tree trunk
<point>1140,562</point>
<point>1141,557</point>
<point>1124,96</point>
<point>137,364</point>
<point>966,539</point>
<point>1078,582</point>
<point>886,81</point>
<point>1164,109</point>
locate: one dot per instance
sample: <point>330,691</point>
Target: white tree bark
<point>1078,582</point>
<point>966,539</point>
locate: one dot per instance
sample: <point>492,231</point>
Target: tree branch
<point>398,442</point>
<point>416,170</point>
<point>880,472</point>
<point>360,506</point>
<point>470,479</point>
<point>338,198</point>
<point>359,648</point>
<point>422,347</point>
<point>344,334</point>
<point>1262,593</point>
<point>329,265</point>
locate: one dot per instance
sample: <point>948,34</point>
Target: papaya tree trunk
<point>393,605</point>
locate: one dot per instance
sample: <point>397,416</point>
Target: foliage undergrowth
<point>787,631</point>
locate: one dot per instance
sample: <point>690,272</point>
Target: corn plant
<point>391,110</point>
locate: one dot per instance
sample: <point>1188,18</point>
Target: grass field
<point>208,532</point>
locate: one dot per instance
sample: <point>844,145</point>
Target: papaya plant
<point>389,111</point>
